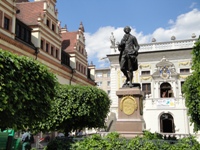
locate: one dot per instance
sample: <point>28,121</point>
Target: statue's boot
<point>130,84</point>
<point>126,82</point>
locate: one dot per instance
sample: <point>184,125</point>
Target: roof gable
<point>69,40</point>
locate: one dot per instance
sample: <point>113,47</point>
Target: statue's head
<point>127,29</point>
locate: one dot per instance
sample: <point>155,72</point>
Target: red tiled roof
<point>30,11</point>
<point>69,41</point>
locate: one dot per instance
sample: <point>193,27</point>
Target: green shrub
<point>93,142</point>
<point>187,143</point>
<point>113,141</point>
<point>149,136</point>
<point>60,144</point>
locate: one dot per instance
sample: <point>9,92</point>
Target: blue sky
<point>144,15</point>
<point>148,19</point>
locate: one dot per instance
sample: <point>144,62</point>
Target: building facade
<point>32,29</point>
<point>162,70</point>
<point>77,52</point>
<point>102,79</point>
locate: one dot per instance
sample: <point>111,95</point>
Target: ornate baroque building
<point>32,29</point>
<point>163,68</point>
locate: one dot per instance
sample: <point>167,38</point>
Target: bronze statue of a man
<point>128,56</point>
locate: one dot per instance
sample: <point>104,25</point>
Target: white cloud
<point>98,44</point>
<point>183,27</point>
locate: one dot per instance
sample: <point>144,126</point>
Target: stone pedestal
<point>130,121</point>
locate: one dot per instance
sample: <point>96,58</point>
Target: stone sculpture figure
<point>112,39</point>
<point>128,48</point>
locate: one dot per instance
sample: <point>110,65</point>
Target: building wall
<point>8,9</point>
<point>102,79</point>
<point>39,31</point>
<point>74,44</point>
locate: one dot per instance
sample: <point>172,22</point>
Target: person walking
<point>26,141</point>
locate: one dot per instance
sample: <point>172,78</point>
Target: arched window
<point>167,123</point>
<point>166,90</point>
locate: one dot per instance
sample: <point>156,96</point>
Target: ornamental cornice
<point>183,76</point>
<point>146,78</point>
<point>145,66</point>
<point>185,63</point>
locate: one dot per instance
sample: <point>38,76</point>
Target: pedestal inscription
<point>128,105</point>
<point>130,120</point>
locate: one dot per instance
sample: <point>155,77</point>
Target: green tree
<point>78,107</point>
<point>27,89</point>
<point>191,88</point>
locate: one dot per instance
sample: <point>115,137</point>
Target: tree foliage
<point>191,88</point>
<point>27,90</point>
<point>78,107</point>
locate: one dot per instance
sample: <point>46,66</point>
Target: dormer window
<point>48,23</point>
<point>42,45</point>
<point>57,53</point>
<point>17,30</point>
<point>6,23</point>
<point>23,32</point>
<point>52,50</point>
<point>53,27</point>
<point>27,36</point>
<point>47,47</point>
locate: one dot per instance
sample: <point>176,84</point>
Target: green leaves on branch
<point>191,88</point>
<point>27,90</point>
<point>31,97</point>
<point>78,107</point>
